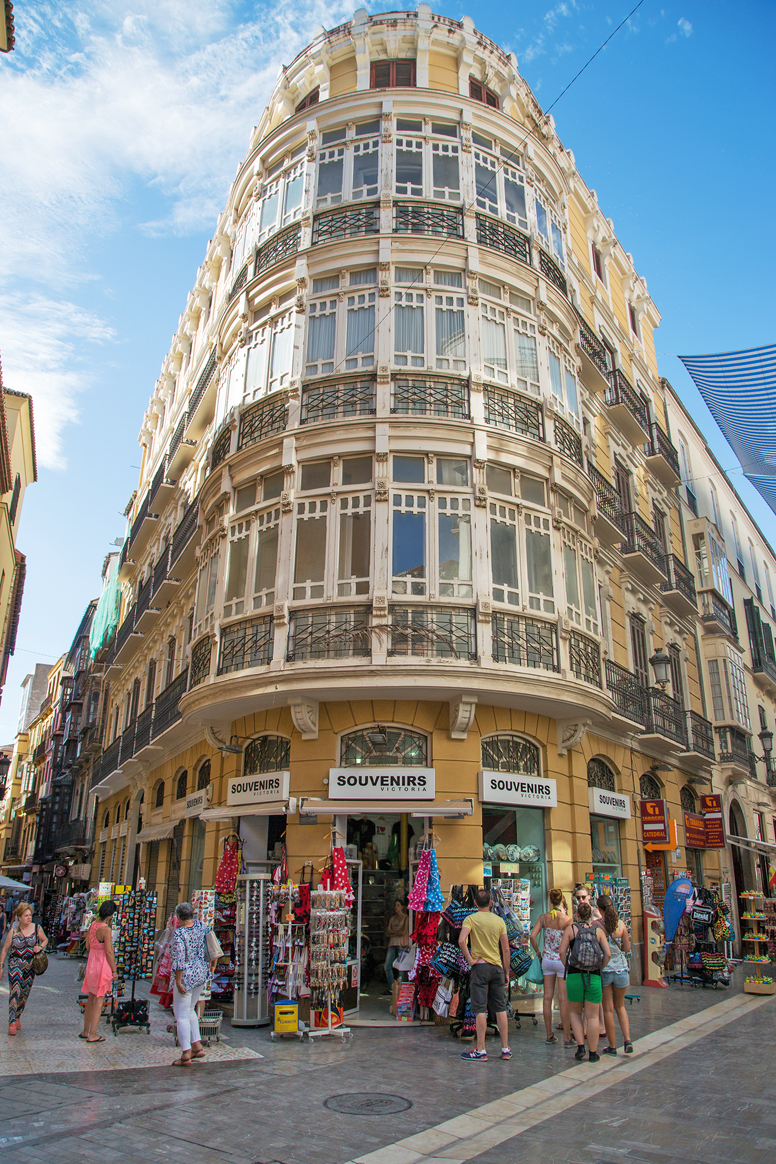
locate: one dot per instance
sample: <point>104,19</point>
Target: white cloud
<point>684,26</point>
<point>42,345</point>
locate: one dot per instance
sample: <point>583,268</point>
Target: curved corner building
<point>406,531</point>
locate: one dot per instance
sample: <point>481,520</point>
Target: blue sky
<point>124,122</point>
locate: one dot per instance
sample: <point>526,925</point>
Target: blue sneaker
<point>475,1056</point>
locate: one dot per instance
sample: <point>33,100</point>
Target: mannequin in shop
<point>397,936</point>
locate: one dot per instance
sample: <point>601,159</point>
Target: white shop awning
<point>229,811</point>
<point>753,846</point>
<point>310,806</point>
<point>158,832</point>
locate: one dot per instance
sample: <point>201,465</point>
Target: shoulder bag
<point>40,960</point>
<point>213,946</point>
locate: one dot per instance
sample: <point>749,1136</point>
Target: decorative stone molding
<point>381,490</point>
<point>481,496</point>
<point>484,610</point>
<point>287,500</point>
<point>570,733</point>
<point>462,712</point>
<point>381,456</point>
<point>304,713</point>
<point>280,613</point>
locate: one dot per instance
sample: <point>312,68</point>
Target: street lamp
<point>661,665</point>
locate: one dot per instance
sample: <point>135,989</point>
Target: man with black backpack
<point>584,952</point>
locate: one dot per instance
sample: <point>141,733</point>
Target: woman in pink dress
<point>100,971</point>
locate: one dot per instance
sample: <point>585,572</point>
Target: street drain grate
<point>367,1103</point>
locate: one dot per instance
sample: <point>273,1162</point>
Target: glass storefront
<point>513,846</point>
<point>605,839</point>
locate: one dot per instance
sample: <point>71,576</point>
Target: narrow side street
<point>691,1091</point>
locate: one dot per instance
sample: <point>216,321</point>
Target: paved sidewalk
<point>240,1108</point>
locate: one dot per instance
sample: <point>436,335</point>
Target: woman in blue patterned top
<point>192,972</point>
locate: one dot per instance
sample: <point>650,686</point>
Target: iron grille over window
<point>184,531</point>
<point>508,753</point>
<point>592,346</point>
<point>347,223</point>
<point>203,776</point>
<point>331,633</point>
<point>649,787</point>
<point>200,662</point>
<point>280,246</point>
<point>550,269</point>
<point>263,419</point>
<point>392,75</point>
<point>585,658</point>
<point>526,642</point>
<point>159,798</point>
<point>432,632</point>
<point>600,775</point>
<point>267,754</point>
<point>431,398</point>
<point>239,283</point>
<point>506,409</point>
<point>500,237</point>
<point>166,708</point>
<point>337,401</point>
<point>246,644</point>
<point>687,799</point>
<point>607,498</point>
<point>480,92</point>
<point>427,218</point>
<point>568,440</point>
<point>181,786</point>
<point>311,99</point>
<point>221,446</point>
<point>383,747</point>
<point>206,375</point>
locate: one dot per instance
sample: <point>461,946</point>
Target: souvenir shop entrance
<point>513,837</point>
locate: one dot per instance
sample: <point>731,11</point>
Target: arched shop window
<point>126,809</point>
<point>267,754</point>
<point>509,753</point>
<point>600,775</point>
<point>159,798</point>
<point>687,799</point>
<point>203,776</point>
<point>649,787</point>
<point>106,821</point>
<point>381,746</point>
<point>181,786</point>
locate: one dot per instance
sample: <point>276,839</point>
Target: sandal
<point>182,1063</point>
<point>199,1055</point>
<point>82,1036</point>
<point>99,1039</point>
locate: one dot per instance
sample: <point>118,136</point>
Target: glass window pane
<point>355,545</point>
<point>485,180</point>
<point>212,580</point>
<point>541,218</point>
<point>525,352</point>
<point>409,171</point>
<point>410,469</point>
<point>326,283</point>
<point>499,480</point>
<point>588,589</point>
<point>320,337</point>
<point>408,274</point>
<point>280,365</point>
<point>272,486</point>
<point>245,497</point>
<point>332,135</point>
<point>269,212</point>
<point>557,242</point>
<point>532,489</point>
<point>310,550</point>
<point>570,574</point>
<point>514,196</point>
<point>201,595</point>
<point>238,569</point>
<point>455,547</point>
<point>494,343</point>
<point>446,172</point>
<point>444,129</point>
<point>408,329</point>
<point>293,199</point>
<point>360,331</point>
<point>316,475</point>
<point>330,177</point>
<point>267,558</point>
<point>356,470</point>
<point>359,278</point>
<point>450,333</point>
<point>555,380</point>
<point>539,559</point>
<point>366,166</point>
<point>503,554</point>
<point>407,125</point>
<point>571,393</point>
<point>452,471</point>
<point>368,128</point>
<point>409,545</point>
<point>448,278</point>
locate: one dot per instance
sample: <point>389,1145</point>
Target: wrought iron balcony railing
<point>525,642</point>
<point>622,392</point>
<point>491,232</point>
<point>665,716</point>
<point>329,633</point>
<point>679,578</point>
<point>201,387</point>
<point>158,480</point>
<point>177,437</point>
<point>239,283</point>
<point>346,222</point>
<point>167,706</point>
<point>434,632</point>
<point>714,609</point>
<point>733,747</point>
<point>184,531</point>
<point>111,757</point>
<point>221,447</point>
<point>550,269</point>
<point>585,658</point>
<point>337,401</point>
<point>128,742</point>
<point>280,246</point>
<point>161,568</point>
<point>144,597</point>
<point>592,346</point>
<point>263,419</point>
<point>143,727</point>
<point>700,735</point>
<point>660,446</point>
<point>125,630</point>
<point>248,643</point>
<point>629,696</point>
<point>568,440</point>
<point>439,398</point>
<point>505,409</point>
<point>607,498</point>
<point>642,539</point>
<point>200,661</point>
<point>428,218</point>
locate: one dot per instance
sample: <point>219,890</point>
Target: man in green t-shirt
<point>488,959</point>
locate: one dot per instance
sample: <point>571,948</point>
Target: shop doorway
<point>513,849</point>
<point>382,842</point>
<point>173,870</point>
<point>742,870</point>
<point>197,860</point>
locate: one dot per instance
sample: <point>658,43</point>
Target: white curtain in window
<point>555,381</point>
<point>450,334</point>
<point>408,329</point>
<point>360,331</point>
<point>320,337</point>
<point>494,343</point>
<point>525,351</point>
<point>256,373</point>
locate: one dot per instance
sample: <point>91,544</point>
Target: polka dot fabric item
<point>417,897</point>
<point>340,879</point>
<point>435,901</point>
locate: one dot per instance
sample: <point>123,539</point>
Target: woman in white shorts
<point>553,924</point>
<point>615,977</point>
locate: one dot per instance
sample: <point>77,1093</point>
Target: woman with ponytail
<point>553,924</point>
<point>615,978</point>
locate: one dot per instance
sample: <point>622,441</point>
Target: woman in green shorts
<point>583,987</point>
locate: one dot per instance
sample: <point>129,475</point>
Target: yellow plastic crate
<point>286,1018</point>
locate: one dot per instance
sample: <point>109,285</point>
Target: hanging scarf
<point>434,901</point>
<point>340,878</point>
<point>229,866</point>
<point>417,897</point>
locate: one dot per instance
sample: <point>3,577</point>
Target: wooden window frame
<point>392,69</point>
<point>480,92</point>
<point>312,98</point>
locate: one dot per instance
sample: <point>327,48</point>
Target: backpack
<point>586,954</point>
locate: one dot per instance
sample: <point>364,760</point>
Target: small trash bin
<point>286,1017</point>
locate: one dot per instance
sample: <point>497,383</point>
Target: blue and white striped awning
<point>740,391</point>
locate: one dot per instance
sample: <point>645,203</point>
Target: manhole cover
<point>367,1103</point>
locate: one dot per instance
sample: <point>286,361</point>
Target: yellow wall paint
<point>342,76</point>
<point>442,71</point>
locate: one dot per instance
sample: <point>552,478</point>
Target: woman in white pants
<point>192,972</point>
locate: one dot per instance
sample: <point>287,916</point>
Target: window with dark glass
<point>203,776</point>
<point>311,99</point>
<point>181,785</point>
<point>598,264</point>
<point>159,798</point>
<point>393,75</point>
<point>480,92</point>
<point>383,746</point>
<point>638,637</point>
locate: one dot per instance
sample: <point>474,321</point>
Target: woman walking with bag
<point>553,924</point>
<point>192,970</point>
<point>584,950</point>
<point>23,941</point>
<point>615,978</point>
<point>100,971</point>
